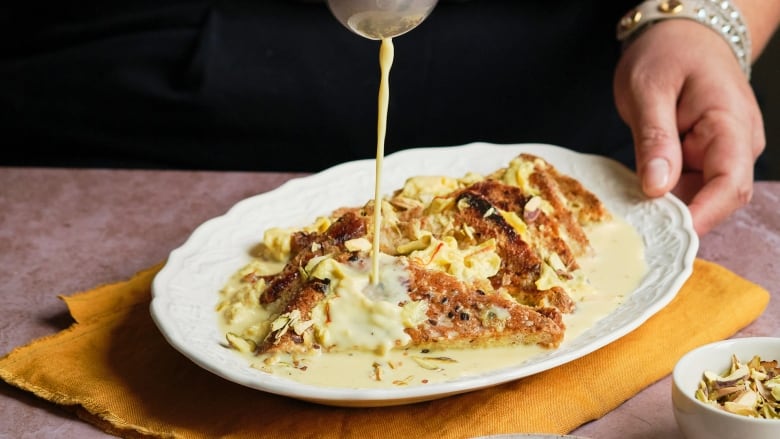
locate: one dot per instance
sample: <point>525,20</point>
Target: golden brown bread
<point>460,316</point>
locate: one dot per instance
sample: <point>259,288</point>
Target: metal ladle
<point>381,19</point>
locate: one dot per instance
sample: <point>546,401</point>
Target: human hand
<point>696,125</point>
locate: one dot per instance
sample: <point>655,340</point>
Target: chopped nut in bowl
<point>729,389</point>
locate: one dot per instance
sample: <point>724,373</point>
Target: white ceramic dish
<point>701,421</point>
<point>186,290</point>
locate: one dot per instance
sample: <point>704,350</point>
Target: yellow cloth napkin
<point>116,370</point>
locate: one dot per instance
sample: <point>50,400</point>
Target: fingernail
<point>656,175</point>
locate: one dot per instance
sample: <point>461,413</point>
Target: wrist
<point>721,16</point>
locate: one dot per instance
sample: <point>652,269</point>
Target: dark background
<point>766,82</point>
<point>227,84</point>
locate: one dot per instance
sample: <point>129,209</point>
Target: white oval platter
<point>185,291</point>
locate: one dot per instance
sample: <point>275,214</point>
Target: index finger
<point>727,172</point>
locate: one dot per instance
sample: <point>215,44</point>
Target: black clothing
<point>222,84</point>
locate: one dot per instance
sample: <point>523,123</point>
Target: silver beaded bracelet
<point>719,15</point>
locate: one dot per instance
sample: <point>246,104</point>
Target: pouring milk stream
<point>381,20</point>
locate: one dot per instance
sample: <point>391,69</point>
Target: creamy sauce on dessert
<point>613,272</point>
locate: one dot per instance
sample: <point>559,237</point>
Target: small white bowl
<point>698,420</point>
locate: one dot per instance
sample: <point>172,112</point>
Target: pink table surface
<point>68,230</point>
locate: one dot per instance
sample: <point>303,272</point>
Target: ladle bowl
<point>380,19</point>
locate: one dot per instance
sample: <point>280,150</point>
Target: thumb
<point>657,148</point>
